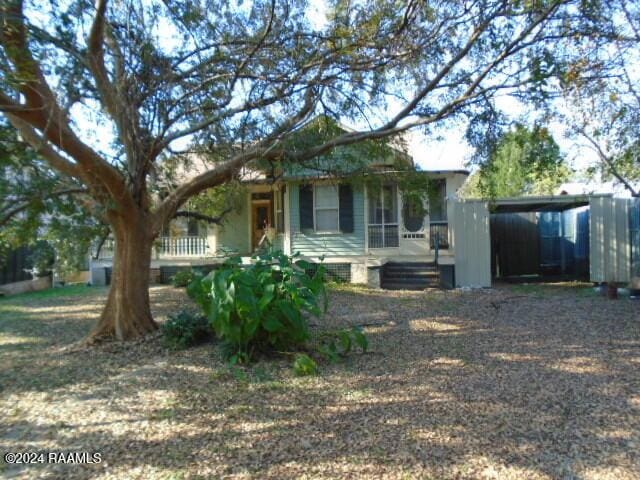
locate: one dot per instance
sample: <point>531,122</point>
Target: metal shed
<point>609,233</point>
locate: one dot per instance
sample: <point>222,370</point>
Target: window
<point>438,202</point>
<point>326,205</point>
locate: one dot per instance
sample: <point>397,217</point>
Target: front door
<point>261,220</point>
<point>383,217</point>
<point>414,238</point>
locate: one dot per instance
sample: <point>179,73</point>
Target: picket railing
<point>167,247</point>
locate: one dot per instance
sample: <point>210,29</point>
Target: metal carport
<point>609,234</point>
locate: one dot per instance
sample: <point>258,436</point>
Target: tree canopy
<point>524,162</point>
<point>38,207</point>
<point>602,106</point>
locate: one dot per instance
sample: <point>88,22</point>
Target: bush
<point>185,330</point>
<point>337,344</point>
<point>304,365</point>
<point>262,306</point>
<point>183,278</point>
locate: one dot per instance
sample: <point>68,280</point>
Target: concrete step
<point>409,265</point>
<point>390,285</point>
<point>411,274</point>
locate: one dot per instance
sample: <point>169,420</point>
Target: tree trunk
<point>127,314</point>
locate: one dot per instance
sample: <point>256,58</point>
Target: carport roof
<point>555,203</point>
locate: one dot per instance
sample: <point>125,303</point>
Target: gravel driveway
<point>505,383</point>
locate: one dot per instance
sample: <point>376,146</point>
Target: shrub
<point>262,306</point>
<point>304,365</point>
<point>337,344</point>
<point>183,278</point>
<point>185,330</point>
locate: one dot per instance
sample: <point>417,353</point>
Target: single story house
<point>339,219</point>
<point>373,232</point>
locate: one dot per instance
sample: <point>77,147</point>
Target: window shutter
<point>346,208</point>
<point>306,207</point>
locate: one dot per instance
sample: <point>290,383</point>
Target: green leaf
<point>267,295</point>
<point>361,339</point>
<point>304,365</point>
<point>345,341</point>
<point>272,324</point>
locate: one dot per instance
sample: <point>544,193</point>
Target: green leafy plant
<point>262,306</point>
<point>185,329</point>
<point>304,365</point>
<point>183,278</point>
<point>337,344</point>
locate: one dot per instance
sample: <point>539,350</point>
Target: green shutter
<point>306,207</point>
<point>346,208</point>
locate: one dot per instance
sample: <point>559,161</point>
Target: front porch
<point>400,224</point>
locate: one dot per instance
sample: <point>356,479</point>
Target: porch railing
<point>166,247</point>
<point>439,235</point>
<point>383,235</point>
<point>182,246</point>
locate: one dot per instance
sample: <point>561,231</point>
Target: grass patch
<point>51,293</point>
<point>348,287</point>
<point>578,289</point>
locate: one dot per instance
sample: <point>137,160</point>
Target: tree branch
<point>24,206</point>
<point>228,169</point>
<point>43,113</point>
<point>609,162</point>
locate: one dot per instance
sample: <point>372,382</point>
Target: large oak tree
<point>235,81</point>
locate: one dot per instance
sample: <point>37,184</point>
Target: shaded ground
<point>507,383</point>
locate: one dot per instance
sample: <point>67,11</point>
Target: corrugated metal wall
<point>610,243</point>
<point>634,222</point>
<point>515,244</point>
<point>472,244</point>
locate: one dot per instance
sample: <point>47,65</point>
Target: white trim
<point>250,222</point>
<point>287,221</point>
<point>366,219</point>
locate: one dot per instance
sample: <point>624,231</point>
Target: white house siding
<point>233,235</point>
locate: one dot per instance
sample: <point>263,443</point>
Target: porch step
<point>409,276</point>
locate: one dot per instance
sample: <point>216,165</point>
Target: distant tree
<point>523,162</point>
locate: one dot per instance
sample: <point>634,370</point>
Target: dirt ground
<point>513,382</point>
